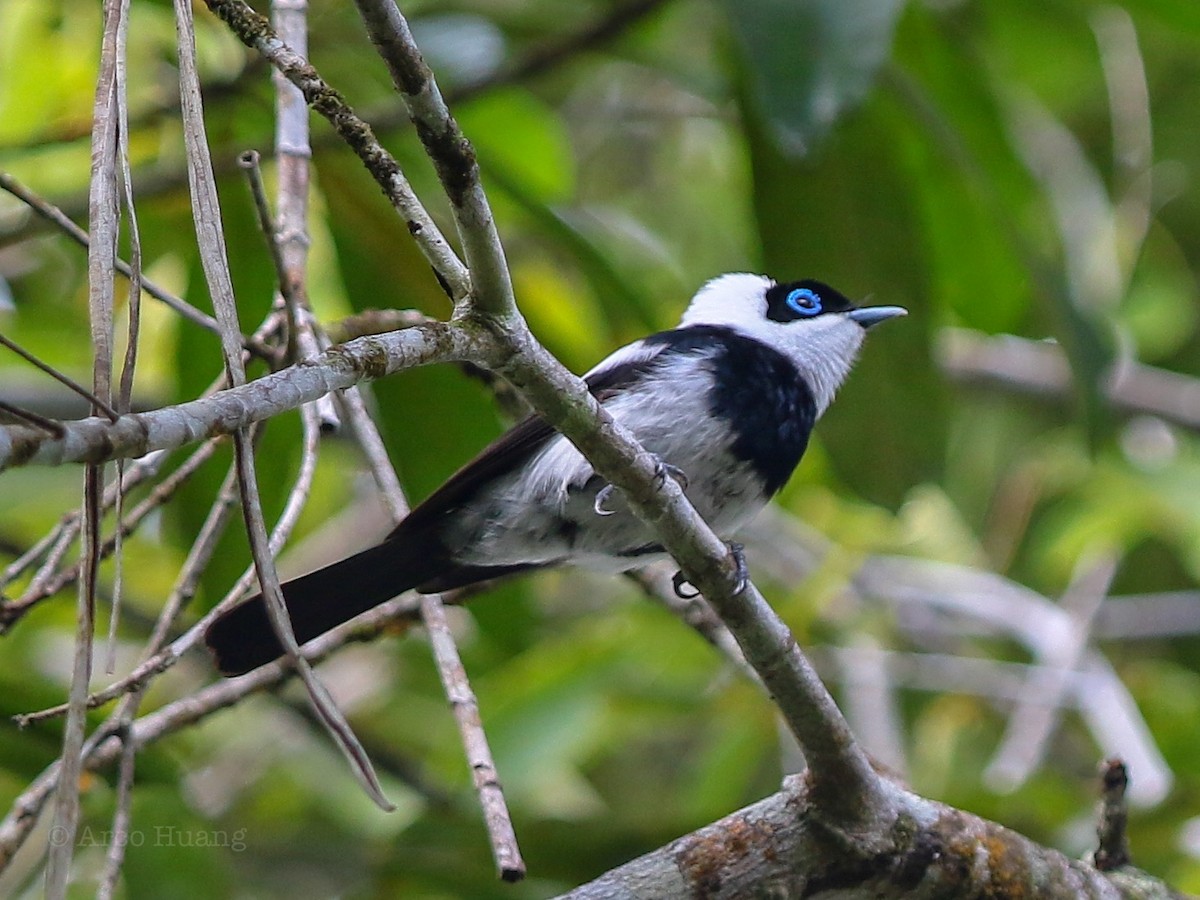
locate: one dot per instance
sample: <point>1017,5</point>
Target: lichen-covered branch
<point>779,847</point>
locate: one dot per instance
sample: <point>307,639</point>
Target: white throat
<point>823,348</point>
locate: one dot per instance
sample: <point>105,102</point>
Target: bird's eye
<point>804,302</point>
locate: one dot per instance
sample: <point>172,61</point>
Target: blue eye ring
<point>803,302</point>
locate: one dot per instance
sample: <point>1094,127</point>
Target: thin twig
<point>60,220</point>
<point>50,425</point>
<point>114,857</point>
<point>452,155</point>
<point>322,703</point>
<point>61,377</point>
<point>290,276</point>
<point>293,151</point>
<point>104,222</point>
<point>1112,849</point>
<point>207,218</point>
<point>289,236</point>
<point>249,163</point>
<point>496,816</point>
<point>129,364</point>
<point>373,321</point>
<point>457,686</point>
<point>158,497</point>
<point>256,32</point>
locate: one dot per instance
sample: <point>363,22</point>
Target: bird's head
<point>811,323</point>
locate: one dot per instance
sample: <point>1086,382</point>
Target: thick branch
<point>779,848</point>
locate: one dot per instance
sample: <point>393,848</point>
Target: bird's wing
<point>621,370</point>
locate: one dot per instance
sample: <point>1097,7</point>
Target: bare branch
<point>114,857</point>
<point>452,155</point>
<point>256,32</point>
<point>104,222</point>
<point>249,163</point>
<point>987,603</point>
<point>453,674</point>
<point>778,847</point>
<point>292,153</point>
<point>1112,851</point>
<point>62,378</point>
<point>59,219</point>
<point>339,367</point>
<point>24,415</point>
<point>127,524</point>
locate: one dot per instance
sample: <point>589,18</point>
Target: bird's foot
<point>742,571</point>
<point>679,582</point>
<point>602,496</point>
<point>662,471</point>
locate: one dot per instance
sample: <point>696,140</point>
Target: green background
<point>991,166</point>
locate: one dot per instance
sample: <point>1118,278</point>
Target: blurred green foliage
<point>976,162</point>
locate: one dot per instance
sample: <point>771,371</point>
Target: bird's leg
<point>662,471</point>
<point>741,570</point>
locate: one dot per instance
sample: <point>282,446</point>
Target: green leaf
<point>808,62</point>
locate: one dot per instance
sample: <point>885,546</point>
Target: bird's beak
<point>873,315</point>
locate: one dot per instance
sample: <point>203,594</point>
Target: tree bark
<point>781,847</point>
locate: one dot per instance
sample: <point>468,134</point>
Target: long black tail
<point>243,639</point>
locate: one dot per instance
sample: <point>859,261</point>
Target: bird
<point>725,401</point>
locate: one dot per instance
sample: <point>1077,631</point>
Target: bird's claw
<point>662,471</point>
<point>741,571</point>
<point>678,582</point>
<point>602,496</point>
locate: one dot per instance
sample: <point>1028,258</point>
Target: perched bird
<point>726,401</point>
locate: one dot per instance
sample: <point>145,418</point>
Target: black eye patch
<point>795,300</point>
